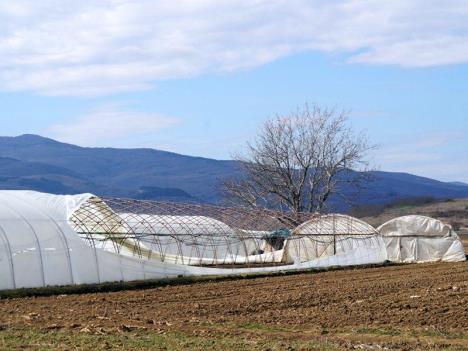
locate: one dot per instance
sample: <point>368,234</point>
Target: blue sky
<point>199,77</point>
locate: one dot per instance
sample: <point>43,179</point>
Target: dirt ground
<point>421,306</point>
<point>464,239</point>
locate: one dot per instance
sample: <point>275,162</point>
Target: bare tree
<point>299,161</point>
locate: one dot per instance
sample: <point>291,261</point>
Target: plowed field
<point>408,307</point>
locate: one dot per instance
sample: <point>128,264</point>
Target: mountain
<point>38,163</point>
<point>459,183</point>
<point>389,186</point>
<point>124,172</point>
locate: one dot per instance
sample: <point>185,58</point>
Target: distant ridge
<point>459,183</point>
<point>34,162</point>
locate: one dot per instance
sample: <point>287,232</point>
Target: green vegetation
<point>378,331</point>
<point>61,340</point>
<point>252,336</point>
<point>261,327</point>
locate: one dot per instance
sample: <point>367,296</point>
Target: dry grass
<point>454,212</point>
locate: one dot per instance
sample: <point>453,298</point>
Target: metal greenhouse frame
<point>205,235</point>
<point>48,240</point>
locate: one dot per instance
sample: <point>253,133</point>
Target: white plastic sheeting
<point>37,245</point>
<point>193,240</point>
<point>421,239</point>
<point>189,240</point>
<point>330,235</point>
<point>40,247</point>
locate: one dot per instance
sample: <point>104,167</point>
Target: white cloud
<point>429,52</point>
<point>435,155</point>
<point>109,125</point>
<point>66,47</point>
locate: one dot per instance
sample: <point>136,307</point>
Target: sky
<point>199,77</point>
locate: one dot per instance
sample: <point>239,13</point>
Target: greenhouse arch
<point>49,240</point>
<point>329,235</point>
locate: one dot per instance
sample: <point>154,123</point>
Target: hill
<point>38,163</point>
<point>143,173</point>
<point>452,211</point>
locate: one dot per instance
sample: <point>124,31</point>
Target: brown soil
<point>464,239</point>
<point>408,296</point>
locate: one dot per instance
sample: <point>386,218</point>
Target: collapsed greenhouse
<point>48,240</point>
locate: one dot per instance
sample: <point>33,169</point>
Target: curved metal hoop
<point>205,235</point>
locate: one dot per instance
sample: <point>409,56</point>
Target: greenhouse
<point>421,239</point>
<point>331,235</point>
<point>48,240</point>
